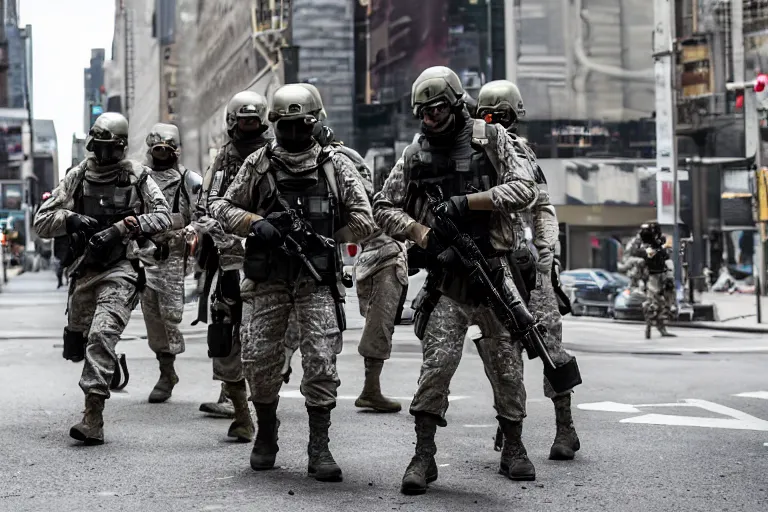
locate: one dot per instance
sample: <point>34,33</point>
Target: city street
<point>679,424</point>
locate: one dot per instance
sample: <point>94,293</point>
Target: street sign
<point>733,419</point>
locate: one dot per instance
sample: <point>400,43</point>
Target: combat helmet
<point>434,85</point>
<point>243,105</point>
<point>294,101</point>
<point>109,127</point>
<point>164,134</point>
<point>500,101</point>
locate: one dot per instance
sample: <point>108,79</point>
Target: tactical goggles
<point>155,139</point>
<point>247,111</point>
<point>97,134</point>
<point>435,110</point>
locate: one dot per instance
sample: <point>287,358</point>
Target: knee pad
<point>74,345</point>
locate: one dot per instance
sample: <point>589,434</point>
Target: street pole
<point>666,118</point>
<point>752,140</point>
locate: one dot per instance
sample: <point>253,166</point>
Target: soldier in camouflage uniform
<point>480,205</point>
<point>162,301</point>
<point>248,132</point>
<point>660,287</point>
<point>381,272</point>
<point>500,102</point>
<point>294,191</point>
<point>101,204</point>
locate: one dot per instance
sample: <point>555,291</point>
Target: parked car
<point>592,291</point>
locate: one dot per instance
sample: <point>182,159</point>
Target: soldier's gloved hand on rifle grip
<point>105,238</point>
<point>455,208</point>
<point>77,223</point>
<point>132,226</point>
<point>266,234</point>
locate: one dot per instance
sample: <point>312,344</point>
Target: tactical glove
<point>104,239</point>
<point>81,223</point>
<point>266,234</point>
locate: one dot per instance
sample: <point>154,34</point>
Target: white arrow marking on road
<point>754,394</point>
<point>608,407</point>
<point>297,394</point>
<point>737,420</point>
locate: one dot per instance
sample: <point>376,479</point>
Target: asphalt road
<point>658,432</point>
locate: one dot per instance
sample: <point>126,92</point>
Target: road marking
<point>754,394</point>
<point>736,420</point>
<point>295,393</point>
<point>608,407</point>
<point>482,426</point>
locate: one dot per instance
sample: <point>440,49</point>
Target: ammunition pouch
<point>423,305</point>
<point>74,345</point>
<point>564,377</point>
<point>220,339</point>
<point>256,265</point>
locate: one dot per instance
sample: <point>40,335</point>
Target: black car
<point>592,291</point>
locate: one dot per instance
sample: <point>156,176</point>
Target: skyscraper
<point>94,88</point>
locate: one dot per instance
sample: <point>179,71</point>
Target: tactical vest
<point>313,196</point>
<point>108,203</point>
<point>434,172</point>
<point>232,161</point>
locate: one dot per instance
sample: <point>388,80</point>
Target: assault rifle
<point>294,227</point>
<point>510,311</point>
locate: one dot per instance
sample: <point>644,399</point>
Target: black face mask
<point>163,157</point>
<point>294,135</point>
<point>107,153</point>
<point>249,135</point>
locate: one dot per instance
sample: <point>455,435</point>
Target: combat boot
<point>647,330</point>
<point>566,442</point>
<point>168,379</point>
<point>242,428</point>
<point>91,429</point>
<point>663,330</point>
<point>371,397</point>
<point>220,409</point>
<point>423,469</point>
<point>265,448</point>
<point>321,465</point>
<point>515,463</point>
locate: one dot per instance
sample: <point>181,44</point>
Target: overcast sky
<point>63,33</point>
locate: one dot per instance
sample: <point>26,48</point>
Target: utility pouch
<point>564,377</point>
<point>74,345</point>
<point>423,305</point>
<point>256,263</point>
<point>220,337</point>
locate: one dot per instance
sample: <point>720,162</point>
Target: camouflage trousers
<point>266,312</point>
<point>102,309</point>
<point>442,347</point>
<point>230,368</point>
<point>543,305</point>
<point>162,316</point>
<point>379,297</point>
<point>659,303</point>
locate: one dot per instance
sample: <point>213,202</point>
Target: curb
<point>686,325</point>
<point>660,351</point>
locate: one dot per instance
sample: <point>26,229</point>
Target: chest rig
<point>230,165</point>
<point>657,264</point>
<point>108,203</point>
<point>311,193</point>
<point>434,172</point>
